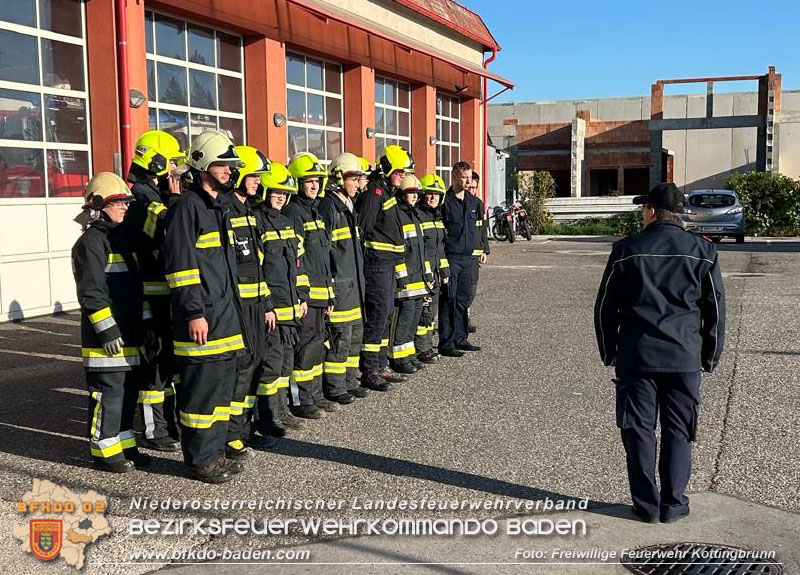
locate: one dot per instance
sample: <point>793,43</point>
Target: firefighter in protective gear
<point>345,324</point>
<point>315,247</point>
<point>257,304</point>
<point>156,154</point>
<point>366,169</point>
<point>113,312</point>
<point>282,268</point>
<point>206,309</point>
<point>384,247</point>
<point>482,242</point>
<point>435,263</point>
<point>414,281</point>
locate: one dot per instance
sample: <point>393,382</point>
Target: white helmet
<point>210,147</point>
<point>346,164</point>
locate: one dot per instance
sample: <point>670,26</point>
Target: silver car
<point>715,213</point>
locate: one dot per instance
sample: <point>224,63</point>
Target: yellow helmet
<point>365,165</point>
<point>155,149</point>
<point>105,187</point>
<point>254,163</point>
<point>278,178</point>
<point>306,165</point>
<point>433,184</point>
<point>395,158</point>
<point>209,147</point>
<point>409,184</point>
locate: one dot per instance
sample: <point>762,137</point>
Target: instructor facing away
<point>660,320</point>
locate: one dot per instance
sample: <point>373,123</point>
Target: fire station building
<point>80,80</point>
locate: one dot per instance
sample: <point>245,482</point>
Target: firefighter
<point>482,242</point>
<point>206,309</point>
<point>435,263</point>
<point>345,324</point>
<point>156,154</point>
<point>414,281</point>
<point>315,248</point>
<point>109,286</point>
<point>257,304</point>
<point>282,268</point>
<point>460,214</point>
<point>384,247</point>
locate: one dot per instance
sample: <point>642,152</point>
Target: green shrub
<point>771,201</point>
<point>534,190</point>
<point>623,224</point>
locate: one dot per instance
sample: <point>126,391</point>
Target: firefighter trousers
<point>204,399</point>
<point>157,389</point>
<point>309,356</point>
<point>423,340</point>
<point>378,305</point>
<point>454,301</point>
<point>405,319</point>
<point>112,403</point>
<point>341,358</point>
<point>248,371</point>
<point>276,369</point>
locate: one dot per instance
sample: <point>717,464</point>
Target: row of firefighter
<point>225,298</point>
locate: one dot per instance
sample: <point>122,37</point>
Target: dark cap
<point>663,197</point>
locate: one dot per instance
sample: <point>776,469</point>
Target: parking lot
<point>531,415</point>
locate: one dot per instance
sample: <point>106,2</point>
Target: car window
<point>711,200</point>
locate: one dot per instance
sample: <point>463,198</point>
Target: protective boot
<point>283,416</point>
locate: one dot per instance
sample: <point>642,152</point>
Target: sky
<point>583,49</point>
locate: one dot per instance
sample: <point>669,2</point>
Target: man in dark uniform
<point>660,320</point>
<point>460,214</point>
<point>482,248</point>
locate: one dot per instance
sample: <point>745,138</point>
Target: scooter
<point>522,223</point>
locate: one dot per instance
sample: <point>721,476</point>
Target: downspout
<point>122,75</point>
<point>485,104</point>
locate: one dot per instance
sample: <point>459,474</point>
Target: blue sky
<point>581,49</point>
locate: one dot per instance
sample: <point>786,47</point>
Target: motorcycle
<point>522,223</point>
<point>503,224</point>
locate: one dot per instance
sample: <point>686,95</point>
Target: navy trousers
<point>454,299</point>
<point>642,400</point>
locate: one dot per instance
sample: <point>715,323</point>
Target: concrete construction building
<point>603,152</point>
<point>81,79</point>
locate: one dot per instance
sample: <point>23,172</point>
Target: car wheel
<point>740,239</point>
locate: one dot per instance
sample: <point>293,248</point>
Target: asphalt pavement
<point>528,418</point>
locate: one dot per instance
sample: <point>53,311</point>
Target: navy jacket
<point>661,303</point>
<point>460,219</point>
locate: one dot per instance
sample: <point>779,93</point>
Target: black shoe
<point>404,367</point>
<point>675,517</point>
<point>159,444</point>
<point>272,429</point>
<point>123,466</point>
<point>289,421</point>
<point>216,472</point>
<point>429,356</point>
<point>237,450</point>
<point>643,515</point>
<point>233,465</point>
<point>308,412</point>
<point>343,399</point>
<point>473,328</point>
<point>261,441</point>
<point>138,459</point>
<point>450,352</point>
<point>359,392</point>
<point>325,404</point>
<point>418,364</point>
<point>467,346</point>
<point>390,376</point>
<point>375,382</point>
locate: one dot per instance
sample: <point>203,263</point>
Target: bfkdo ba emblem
<point>46,538</point>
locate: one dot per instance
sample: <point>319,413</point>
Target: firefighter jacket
<point>314,249</point>
<point>109,286</point>
<point>282,264</point>
<point>201,272</point>
<point>661,303</point>
<point>481,231</point>
<point>347,258</point>
<point>460,219</point>
<point>433,232</point>
<point>412,278</point>
<point>377,217</point>
<point>146,221</point>
<point>250,279</point>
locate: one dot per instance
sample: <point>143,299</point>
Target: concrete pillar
<point>359,111</point>
<point>621,181</point>
<point>656,135</point>
<point>423,127</point>
<point>265,96</point>
<point>577,151</point>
